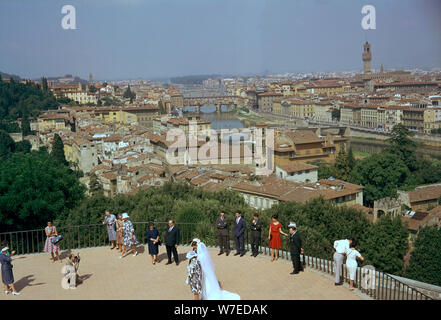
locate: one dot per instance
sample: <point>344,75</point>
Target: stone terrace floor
<point>105,276</point>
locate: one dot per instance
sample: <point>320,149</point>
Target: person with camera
<point>50,246</point>
<point>7,274</point>
<point>71,269</point>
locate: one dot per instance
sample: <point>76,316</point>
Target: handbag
<point>57,239</point>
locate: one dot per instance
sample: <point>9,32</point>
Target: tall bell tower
<point>367,57</point>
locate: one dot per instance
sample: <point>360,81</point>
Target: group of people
<point>121,234</point>
<point>274,236</point>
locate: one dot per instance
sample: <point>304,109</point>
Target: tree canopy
<point>21,100</point>
<point>380,175</point>
<point>58,150</point>
<point>424,264</point>
<point>35,188</point>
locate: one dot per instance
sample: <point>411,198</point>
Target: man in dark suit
<point>222,233</point>
<point>295,244</point>
<point>239,233</point>
<point>172,237</point>
<point>256,230</point>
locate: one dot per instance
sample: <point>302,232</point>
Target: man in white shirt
<point>341,248</point>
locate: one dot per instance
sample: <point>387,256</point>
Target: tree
<point>23,146</point>
<point>128,94</point>
<point>335,114</point>
<point>7,144</point>
<point>95,186</point>
<point>92,89</point>
<point>25,127</point>
<point>401,144</point>
<point>35,188</point>
<point>381,175</point>
<point>351,158</point>
<point>161,108</point>
<point>341,166</point>
<point>424,264</point>
<point>44,84</point>
<point>58,150</point>
<point>324,170</point>
<point>429,171</point>
<point>386,245</point>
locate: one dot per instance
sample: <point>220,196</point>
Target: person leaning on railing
<point>341,248</point>
<point>351,263</point>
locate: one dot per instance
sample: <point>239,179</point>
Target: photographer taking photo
<point>71,277</point>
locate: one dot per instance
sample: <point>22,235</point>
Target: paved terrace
<point>105,276</point>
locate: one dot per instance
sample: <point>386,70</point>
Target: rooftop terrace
<point>105,276</point>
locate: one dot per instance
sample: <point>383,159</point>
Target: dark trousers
<point>255,242</point>
<point>296,262</point>
<point>171,249</point>
<point>240,247</point>
<point>224,243</point>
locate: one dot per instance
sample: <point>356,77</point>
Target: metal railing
<point>95,235</point>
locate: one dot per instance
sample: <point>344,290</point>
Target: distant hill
<point>8,76</point>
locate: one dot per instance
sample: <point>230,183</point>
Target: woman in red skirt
<point>275,230</point>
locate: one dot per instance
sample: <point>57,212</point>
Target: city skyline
<point>151,39</point>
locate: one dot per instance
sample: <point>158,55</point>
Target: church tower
<point>90,80</point>
<point>367,57</point>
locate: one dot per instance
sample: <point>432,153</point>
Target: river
<point>229,120</point>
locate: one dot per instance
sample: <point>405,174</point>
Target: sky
<point>128,39</point>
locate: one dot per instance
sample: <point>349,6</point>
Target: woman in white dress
<point>211,289</point>
<point>351,263</point>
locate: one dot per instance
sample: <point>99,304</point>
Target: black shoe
<point>177,263</point>
<point>242,254</point>
<point>338,284</point>
<point>294,272</point>
<point>252,255</point>
<point>169,262</point>
<point>220,253</point>
<point>237,253</point>
<point>227,253</point>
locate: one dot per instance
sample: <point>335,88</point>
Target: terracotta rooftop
<point>297,166</point>
<point>425,193</point>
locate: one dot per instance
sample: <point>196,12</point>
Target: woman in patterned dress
<point>119,232</point>
<point>51,233</point>
<point>129,238</point>
<point>194,277</point>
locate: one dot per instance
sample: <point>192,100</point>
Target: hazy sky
<point>120,39</point>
